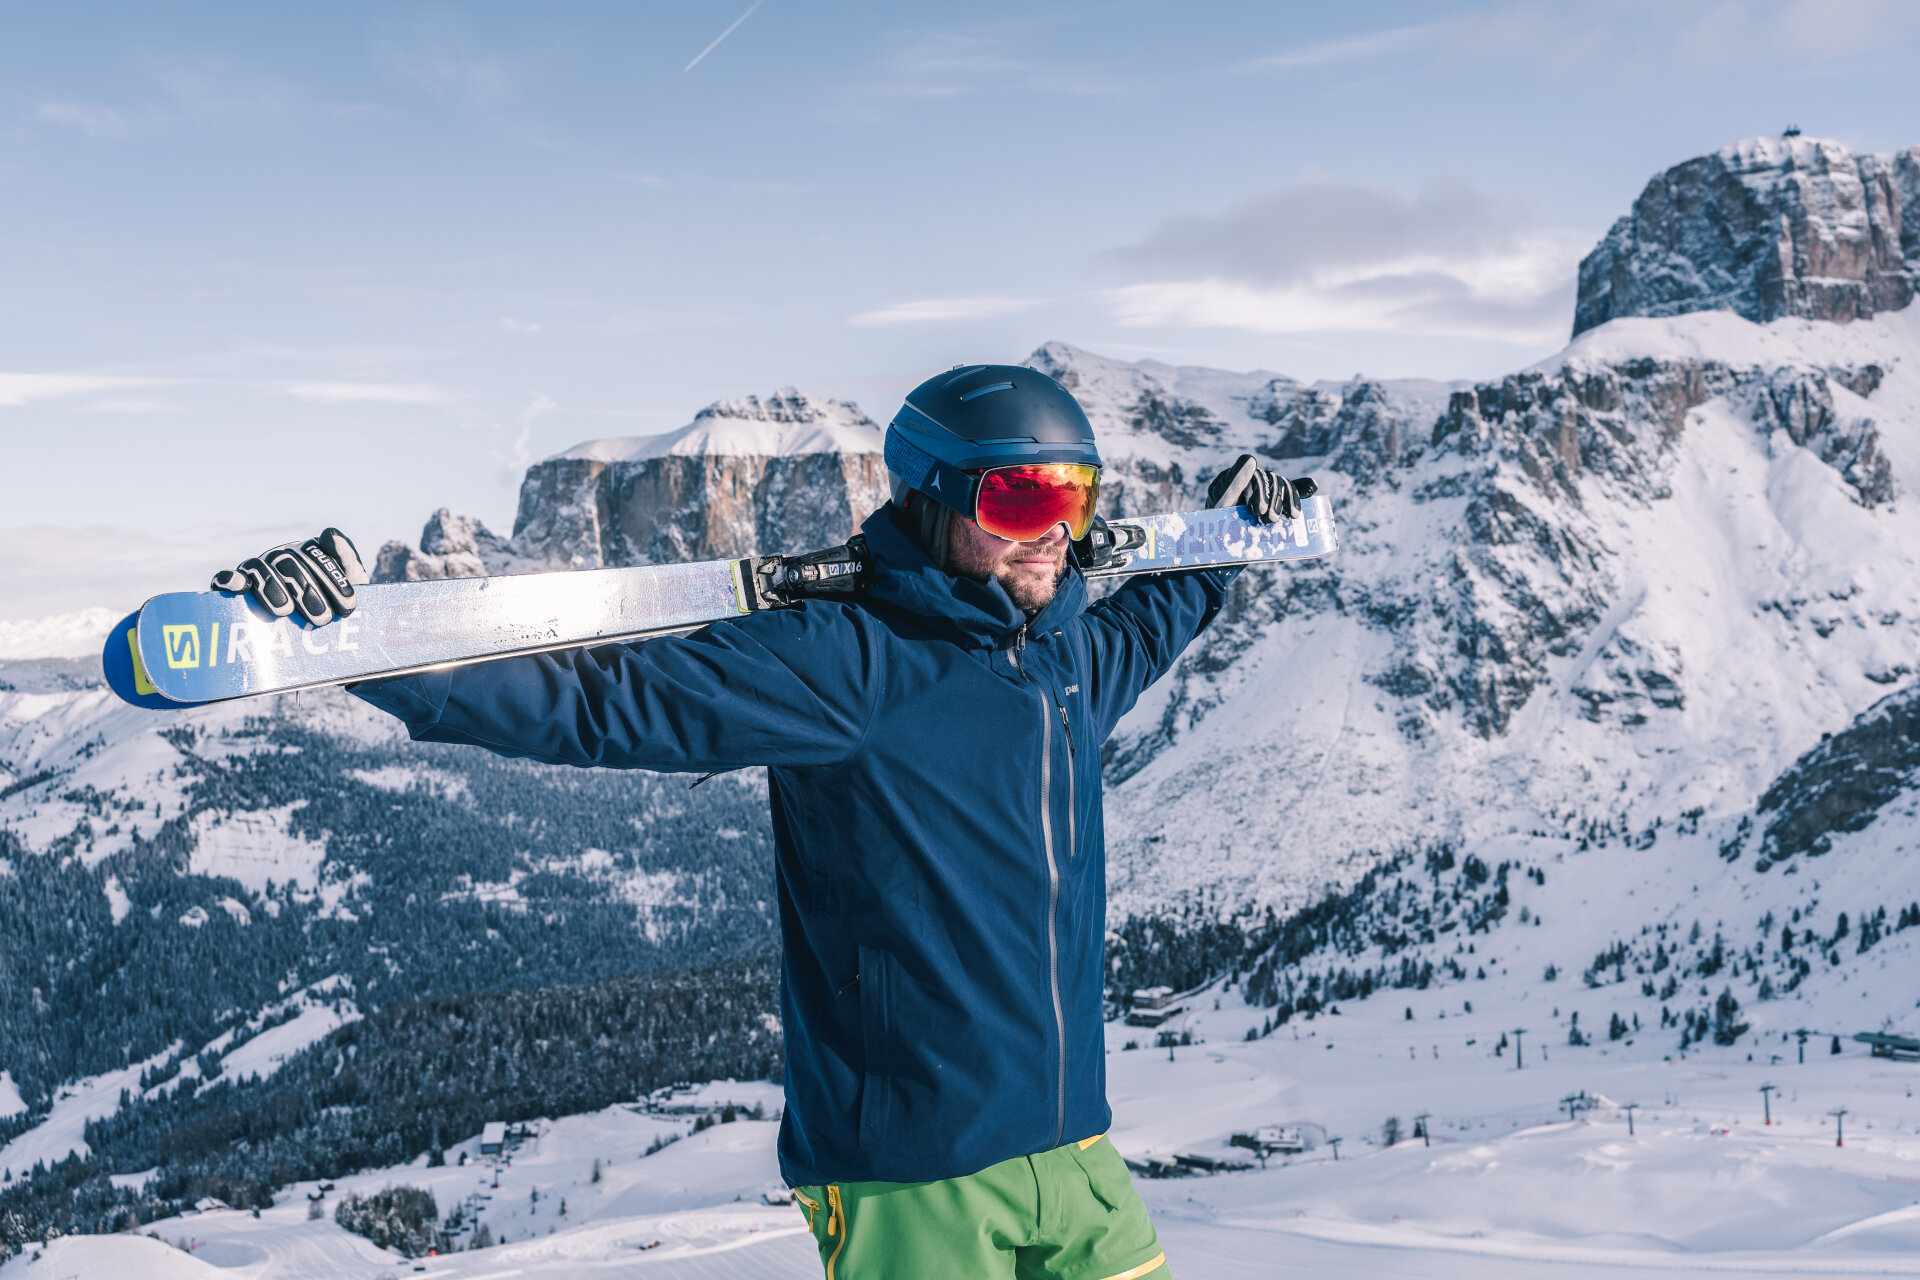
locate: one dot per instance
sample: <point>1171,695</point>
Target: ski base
<point>191,648</point>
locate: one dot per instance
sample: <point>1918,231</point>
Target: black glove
<point>316,577</point>
<point>1267,494</point>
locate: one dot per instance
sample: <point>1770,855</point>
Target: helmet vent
<point>977,392</point>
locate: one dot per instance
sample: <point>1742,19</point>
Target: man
<point>934,767</point>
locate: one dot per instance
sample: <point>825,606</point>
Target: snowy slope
<point>1505,645</point>
<point>1509,1187</point>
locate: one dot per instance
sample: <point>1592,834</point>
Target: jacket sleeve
<point>1139,631</point>
<point>793,687</point>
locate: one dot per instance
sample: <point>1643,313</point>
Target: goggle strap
<point>948,485</point>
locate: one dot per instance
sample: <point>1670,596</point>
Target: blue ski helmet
<point>977,416</point>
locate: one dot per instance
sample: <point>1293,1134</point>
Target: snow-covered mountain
<point>1768,227</point>
<point>1638,579</point>
<point>64,635</point>
<point>1623,642</point>
<point>745,475</point>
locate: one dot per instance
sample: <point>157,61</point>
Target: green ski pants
<point>1066,1214</point>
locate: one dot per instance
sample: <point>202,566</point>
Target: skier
<point>933,752</point>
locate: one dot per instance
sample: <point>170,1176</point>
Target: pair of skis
<point>192,648</point>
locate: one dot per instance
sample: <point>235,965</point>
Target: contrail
<point>723,35</point>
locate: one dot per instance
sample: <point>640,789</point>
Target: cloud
<point>938,310</point>
<point>53,569</point>
<point>1327,256</point>
<point>207,91</point>
<point>421,393</point>
<point>933,65</point>
<point>18,389</point>
<point>437,53</point>
<point>516,462</point>
<point>97,122</point>
<point>1365,48</point>
<point>204,92</point>
<point>519,326</point>
<point>128,404</point>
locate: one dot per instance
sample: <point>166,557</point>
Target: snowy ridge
<point>60,635</point>
<point>787,422</point>
<point>1165,429</point>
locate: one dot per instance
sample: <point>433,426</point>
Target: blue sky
<point>271,267</point>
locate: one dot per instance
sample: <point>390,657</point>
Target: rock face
<point>1768,227</point>
<point>787,473</point>
<point>1841,785</point>
<point>451,546</point>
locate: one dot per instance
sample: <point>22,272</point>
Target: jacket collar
<point>972,614</point>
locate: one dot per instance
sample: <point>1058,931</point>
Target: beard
<point>1028,571</point>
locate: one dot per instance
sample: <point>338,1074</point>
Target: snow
<point>256,848</point>
<point>1509,1187</point>
<point>11,1103</point>
<point>74,1104</point>
<point>403,778</point>
<point>118,1255</point>
<point>319,1014</point>
<point>118,903</point>
<point>60,635</point>
<point>789,422</point>
<point>265,1053</point>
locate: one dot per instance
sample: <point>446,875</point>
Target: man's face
<point>1030,571</point>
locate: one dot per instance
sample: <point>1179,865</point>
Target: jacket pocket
<point>876,1033</point>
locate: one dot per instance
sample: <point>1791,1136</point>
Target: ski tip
<point>120,660</point>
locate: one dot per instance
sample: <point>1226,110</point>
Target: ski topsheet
<point>197,647</point>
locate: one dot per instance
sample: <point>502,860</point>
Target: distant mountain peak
<point>61,635</point>
<point>1765,227</point>
<point>786,424</point>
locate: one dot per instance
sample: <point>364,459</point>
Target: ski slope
<point>1509,1186</point>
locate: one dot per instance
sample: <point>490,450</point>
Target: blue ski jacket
<point>934,768</point>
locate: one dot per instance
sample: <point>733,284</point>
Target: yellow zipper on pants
<point>812,1206</point>
<point>836,1225</point>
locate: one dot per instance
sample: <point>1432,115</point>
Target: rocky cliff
<point>787,473</point>
<point>1768,227</point>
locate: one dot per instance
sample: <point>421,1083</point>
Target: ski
<point>191,648</point>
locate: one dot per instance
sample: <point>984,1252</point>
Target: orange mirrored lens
<point>1021,503</point>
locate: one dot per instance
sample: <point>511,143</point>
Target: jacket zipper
<point>1066,726</point>
<point>1053,881</point>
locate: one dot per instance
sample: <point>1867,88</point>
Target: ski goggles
<point>1022,502</point>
